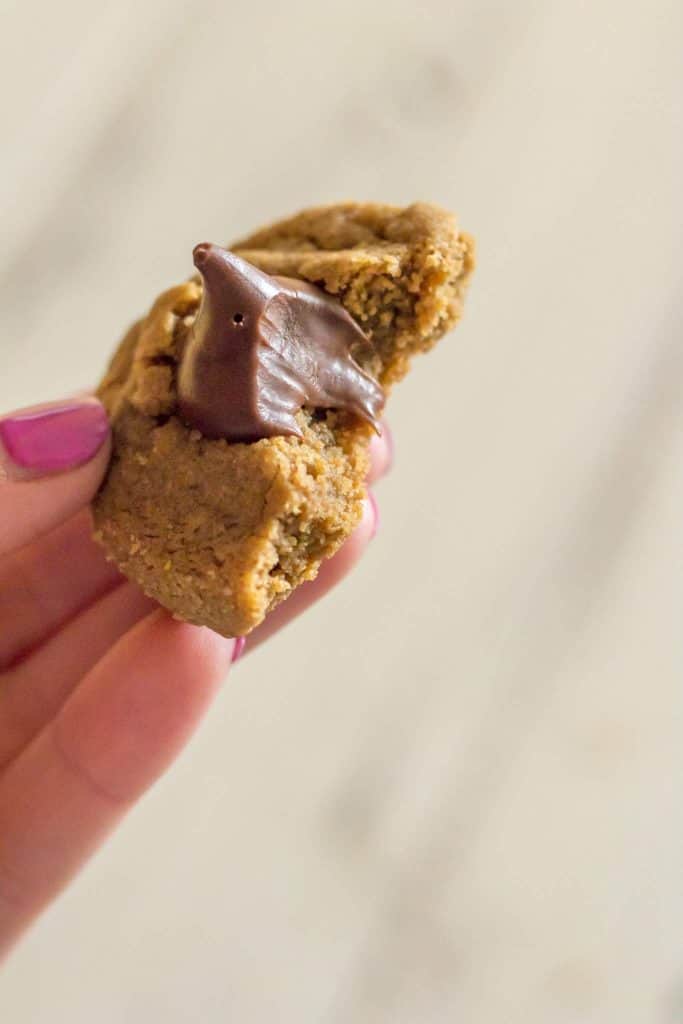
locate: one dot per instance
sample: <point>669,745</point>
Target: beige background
<point>454,792</point>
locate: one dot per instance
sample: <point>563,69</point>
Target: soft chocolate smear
<point>261,348</point>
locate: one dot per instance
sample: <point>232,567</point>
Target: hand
<point>99,687</point>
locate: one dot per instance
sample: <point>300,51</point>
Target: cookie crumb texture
<point>220,533</point>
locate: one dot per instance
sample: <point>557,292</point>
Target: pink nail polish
<point>55,437</point>
<point>375,513</point>
<point>238,649</point>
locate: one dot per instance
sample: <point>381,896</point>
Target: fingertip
<point>52,461</point>
<point>52,438</point>
<point>381,454</point>
<point>374,514</point>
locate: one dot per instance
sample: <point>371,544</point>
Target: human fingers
<point>381,454</point>
<point>33,691</point>
<point>52,459</point>
<point>43,585</point>
<point>116,734</point>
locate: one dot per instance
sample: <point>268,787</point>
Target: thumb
<point>52,460</point>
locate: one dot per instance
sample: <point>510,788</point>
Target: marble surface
<point>454,791</point>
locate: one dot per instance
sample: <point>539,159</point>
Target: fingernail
<point>238,649</point>
<point>55,437</point>
<point>375,513</point>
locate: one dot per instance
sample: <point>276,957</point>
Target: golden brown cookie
<point>220,532</point>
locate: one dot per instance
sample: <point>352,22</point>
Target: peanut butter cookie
<point>242,405</point>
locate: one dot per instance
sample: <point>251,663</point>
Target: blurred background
<point>453,792</point>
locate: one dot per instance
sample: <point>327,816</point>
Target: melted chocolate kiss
<point>261,348</point>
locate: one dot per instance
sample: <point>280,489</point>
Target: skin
<point>100,689</point>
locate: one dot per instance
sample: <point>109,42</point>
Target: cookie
<point>241,438</point>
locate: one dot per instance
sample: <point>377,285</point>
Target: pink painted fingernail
<point>55,437</point>
<point>375,513</point>
<point>238,649</point>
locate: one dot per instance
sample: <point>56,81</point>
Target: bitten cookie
<point>242,405</point>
